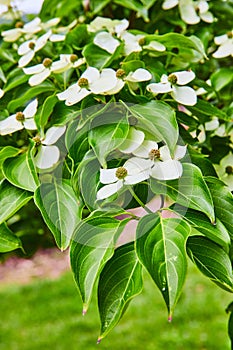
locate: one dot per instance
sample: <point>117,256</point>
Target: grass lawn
<point>47,315</point>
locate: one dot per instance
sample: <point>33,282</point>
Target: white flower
<point>106,42</point>
<point>188,10</point>
<point>66,62</point>
<point>27,29</point>
<point>163,166</point>
<point>48,154</point>
<point>20,120</point>
<point>225,170</point>
<point>28,49</point>
<point>40,72</point>
<point>225,43</point>
<point>132,42</point>
<point>132,172</point>
<point>137,76</point>
<point>182,94</point>
<point>91,82</point>
<point>113,26</point>
<point>59,34</point>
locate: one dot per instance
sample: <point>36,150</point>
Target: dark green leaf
<point>206,108</point>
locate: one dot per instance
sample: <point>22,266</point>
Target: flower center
<point>120,73</point>
<point>19,24</point>
<point>47,62</point>
<point>121,173</point>
<point>20,116</point>
<point>229,170</point>
<point>73,58</point>
<point>31,45</point>
<point>154,153</point>
<point>37,141</point>
<point>142,41</point>
<point>172,78</point>
<point>83,82</point>
<point>230,35</point>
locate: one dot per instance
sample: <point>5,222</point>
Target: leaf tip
<point>99,340</point>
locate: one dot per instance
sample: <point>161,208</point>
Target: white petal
<point>91,74</point>
<point>159,88</point>
<point>156,46</point>
<point>31,109</point>
<point>53,134</point>
<point>41,41</point>
<point>52,22</point>
<point>203,6</point>
<point>164,153</point>
<point>24,47</point>
<point>1,93</point>
<point>69,93</point>
<point>47,156</point>
<point>11,35</point>
<point>57,38</point>
<point>32,26</point>
<point>131,42</point>
<point>188,13</point>
<point>79,62</point>
<point>133,141</point>
<point>221,39</point>
<point>143,150</point>
<point>34,69</point>
<point>119,85</point>
<point>121,26</point>
<point>164,79</point>
<point>224,50</point>
<point>10,125</point>
<point>109,190</point>
<point>99,23</point>
<point>60,66</point>
<point>106,42</point>
<point>137,165</point>
<point>140,74</point>
<point>180,152</point>
<point>106,81</point>
<point>227,160</point>
<point>39,78</point>
<point>30,124</point>
<point>212,124</point>
<point>168,4</point>
<point>184,77</point>
<point>207,17</point>
<point>77,97</point>
<point>108,176</point>
<point>24,60</point>
<point>184,95</point>
<point>168,170</point>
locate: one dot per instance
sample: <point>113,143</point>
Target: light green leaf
<point>8,241</point>
<point>160,247</point>
<point>47,109</point>
<point>61,210</point>
<point>221,78</point>
<point>8,152</point>
<point>159,119</point>
<point>17,171</point>
<point>106,138</point>
<point>119,282</point>
<point>135,5</point>
<point>223,202</point>
<point>92,246</point>
<point>211,260</point>
<point>11,199</point>
<point>15,78</point>
<point>190,190</point>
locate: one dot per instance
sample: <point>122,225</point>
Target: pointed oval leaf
<point>160,247</point>
<point>61,210</point>
<point>190,190</point>
<point>120,281</point>
<point>11,199</point>
<point>92,246</point>
<point>8,241</point>
<point>211,260</point>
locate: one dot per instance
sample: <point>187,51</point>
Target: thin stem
<point>139,201</point>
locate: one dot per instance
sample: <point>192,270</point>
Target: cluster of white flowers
<point>148,161</point>
<point>225,43</point>
<point>191,11</point>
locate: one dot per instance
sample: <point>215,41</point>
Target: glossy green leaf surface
<point>8,241</point>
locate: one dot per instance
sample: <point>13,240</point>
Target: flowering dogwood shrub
<point>106,108</point>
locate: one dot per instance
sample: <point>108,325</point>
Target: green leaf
<point>78,36</point>
<point>92,246</point>
<point>98,5</point>
<point>211,260</point>
<point>221,78</point>
<point>206,108</point>
<point>106,138</point>
<point>223,202</point>
<point>159,119</point>
<point>17,171</point>
<point>15,78</point>
<point>119,282</point>
<point>217,232</point>
<point>8,241</point>
<point>60,209</point>
<point>160,247</point>
<point>135,5</point>
<point>47,110</point>
<point>190,190</point>
<point>29,94</point>
<point>8,152</point>
<point>11,199</point>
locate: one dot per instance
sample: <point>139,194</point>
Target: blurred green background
<point>47,315</point>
